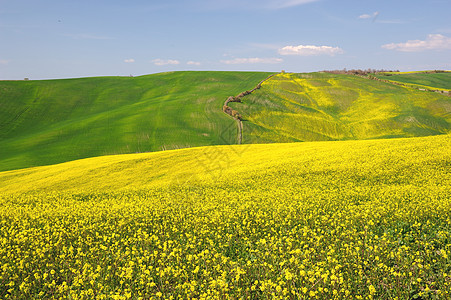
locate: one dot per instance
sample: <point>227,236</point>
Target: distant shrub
<point>358,71</point>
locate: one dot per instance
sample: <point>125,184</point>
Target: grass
<point>323,106</point>
<point>52,121</point>
<point>421,79</point>
<point>328,220</point>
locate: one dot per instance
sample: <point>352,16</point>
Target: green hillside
<point>52,121</point>
<point>324,106</point>
<point>426,79</point>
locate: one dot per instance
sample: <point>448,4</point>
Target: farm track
<point>414,86</point>
<point>235,114</point>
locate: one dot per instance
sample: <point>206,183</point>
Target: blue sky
<point>62,39</point>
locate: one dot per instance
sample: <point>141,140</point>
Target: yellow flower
<point>288,275</point>
<point>372,289</point>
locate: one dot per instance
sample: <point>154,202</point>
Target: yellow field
<point>325,220</point>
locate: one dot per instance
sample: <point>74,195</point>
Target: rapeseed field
<point>321,220</point>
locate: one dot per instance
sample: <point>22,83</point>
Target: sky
<point>48,39</point>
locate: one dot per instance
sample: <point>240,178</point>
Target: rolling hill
<point>330,220</point>
<point>356,218</point>
<point>52,121</point>
<point>324,106</point>
<point>225,165</point>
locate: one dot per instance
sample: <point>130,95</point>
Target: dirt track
<point>235,114</point>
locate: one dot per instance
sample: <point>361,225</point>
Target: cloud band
<point>432,42</point>
<point>309,50</point>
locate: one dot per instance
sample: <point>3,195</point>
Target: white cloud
<point>162,62</point>
<point>432,42</point>
<point>254,60</point>
<point>4,62</point>
<point>309,50</point>
<point>193,63</point>
<point>365,16</point>
<point>130,60</point>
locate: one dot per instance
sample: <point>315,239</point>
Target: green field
<point>52,121</point>
<point>426,79</point>
<point>316,220</point>
<point>324,106</point>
